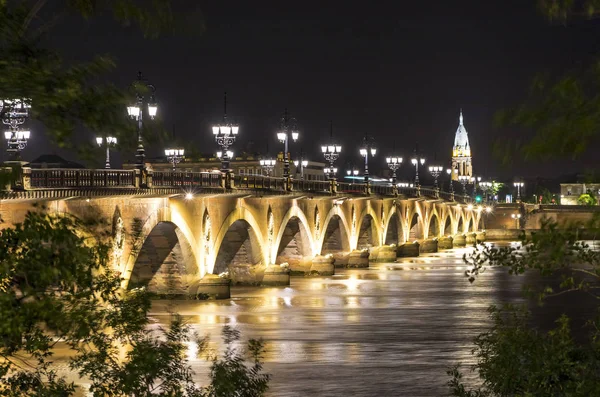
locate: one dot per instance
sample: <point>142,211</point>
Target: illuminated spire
<point>461,140</point>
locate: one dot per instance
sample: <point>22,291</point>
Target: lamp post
<point>451,188</point>
<point>14,114</point>
<point>136,112</point>
<point>415,161</point>
<point>174,156</point>
<point>519,185</point>
<point>485,186</point>
<point>393,164</point>
<point>517,218</point>
<point>109,141</point>
<point>464,179</point>
<point>331,152</point>
<point>352,173</point>
<point>225,134</point>
<point>435,171</point>
<point>287,127</point>
<point>268,165</point>
<point>365,150</point>
<point>301,163</point>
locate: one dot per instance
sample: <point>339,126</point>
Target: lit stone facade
<point>461,152</point>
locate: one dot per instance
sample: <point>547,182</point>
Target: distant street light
<point>287,129</point>
<point>416,160</point>
<point>435,171</point>
<point>109,141</point>
<point>393,164</point>
<point>14,114</point>
<point>302,164</point>
<point>136,112</point>
<point>331,152</point>
<point>464,179</point>
<point>517,218</point>
<point>518,185</point>
<point>268,165</point>
<point>225,134</point>
<point>366,149</point>
<point>449,172</point>
<point>174,156</point>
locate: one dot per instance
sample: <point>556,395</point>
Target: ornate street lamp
<point>109,141</point>
<point>14,114</point>
<point>288,128</point>
<point>301,163</point>
<point>136,112</point>
<point>416,160</point>
<point>464,179</point>
<point>225,134</point>
<point>174,156</point>
<point>519,185</point>
<point>331,152</point>
<point>268,165</point>
<point>393,164</point>
<point>365,150</point>
<point>435,171</point>
<point>449,172</point>
<point>485,186</point>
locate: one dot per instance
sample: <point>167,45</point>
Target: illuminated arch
<point>335,211</point>
<point>293,212</point>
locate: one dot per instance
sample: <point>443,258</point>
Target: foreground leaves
<point>57,290</point>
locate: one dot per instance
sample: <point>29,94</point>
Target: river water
<point>390,330</point>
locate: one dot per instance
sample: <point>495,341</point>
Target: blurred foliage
<point>587,199</point>
<point>68,96</point>
<point>57,288</point>
<point>514,358</point>
<point>563,111</point>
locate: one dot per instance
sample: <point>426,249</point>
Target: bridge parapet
<point>61,182</point>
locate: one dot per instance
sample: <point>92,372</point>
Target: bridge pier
<point>213,287</point>
<point>460,240</point>
<point>408,249</point>
<point>445,242</point>
<point>429,246</point>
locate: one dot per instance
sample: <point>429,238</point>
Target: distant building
<point>461,152</point>
<point>53,161</point>
<point>246,164</point>
<point>570,192</point>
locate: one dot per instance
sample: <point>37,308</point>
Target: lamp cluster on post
<point>301,164</point>
<point>393,163</point>
<point>367,149</point>
<point>435,171</point>
<point>268,165</point>
<point>518,185</point>
<point>451,188</point>
<point>485,187</point>
<point>14,114</point>
<point>225,134</point>
<point>108,141</point>
<point>288,128</point>
<point>145,95</point>
<point>174,156</point>
<point>331,152</point>
<point>416,160</point>
<point>464,179</point>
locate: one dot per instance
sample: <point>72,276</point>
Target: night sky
<point>399,70</point>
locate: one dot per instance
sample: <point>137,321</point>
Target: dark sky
<point>399,70</point>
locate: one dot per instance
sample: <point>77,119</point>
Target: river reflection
<point>389,330</point>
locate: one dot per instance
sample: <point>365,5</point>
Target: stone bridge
<point>172,243</point>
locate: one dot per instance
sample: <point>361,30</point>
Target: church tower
<point>461,152</point>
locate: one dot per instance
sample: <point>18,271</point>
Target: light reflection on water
<point>392,329</point>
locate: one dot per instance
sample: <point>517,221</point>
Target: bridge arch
<point>163,246</point>
<point>336,233</point>
<point>294,239</point>
<point>415,227</point>
<point>368,231</point>
<point>239,240</point>
<point>433,229</point>
<point>460,227</point>
<point>447,231</point>
<point>392,233</point>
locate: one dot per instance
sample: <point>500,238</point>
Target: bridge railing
<point>351,188</point>
<point>185,178</point>
<point>69,178</point>
<point>384,190</point>
<point>311,186</point>
<point>259,182</point>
